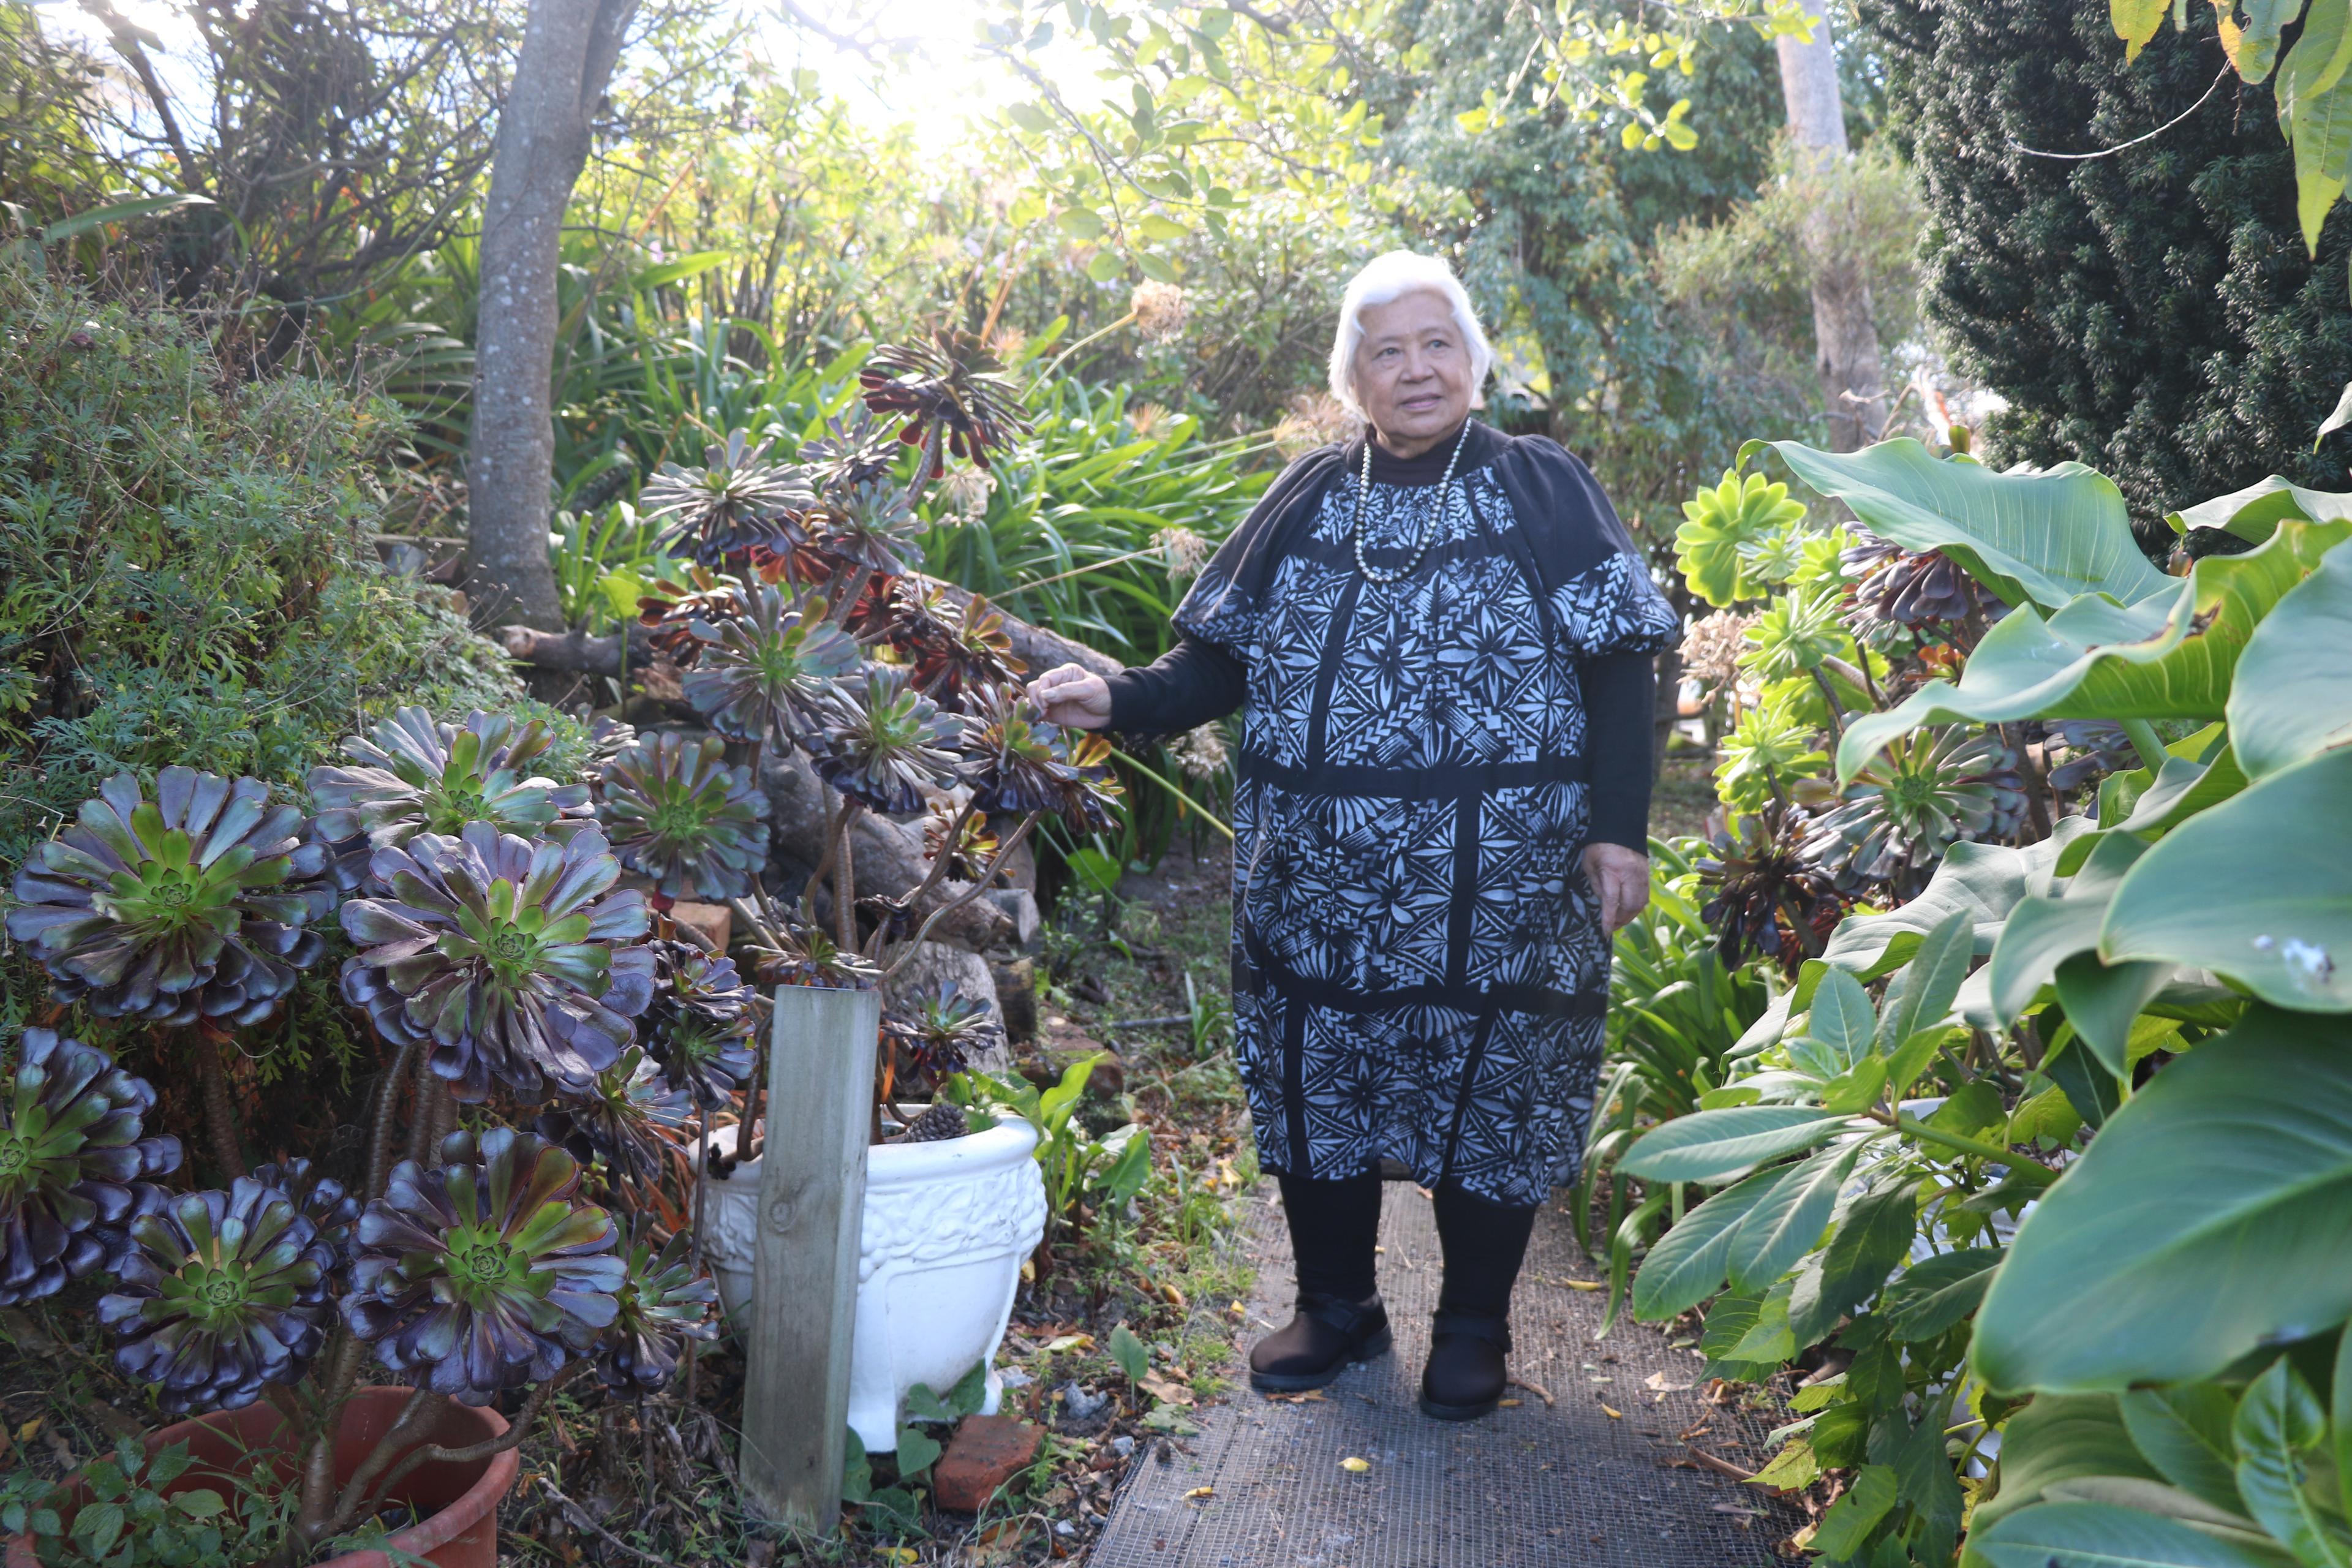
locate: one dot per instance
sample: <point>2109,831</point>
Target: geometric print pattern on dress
<point>1419,971</point>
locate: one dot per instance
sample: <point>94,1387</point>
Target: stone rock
<point>985,1452</point>
<point>714,923</point>
<point>936,963</point>
<point>1020,906</point>
<point>1016,999</point>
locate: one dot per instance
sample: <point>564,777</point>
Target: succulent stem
<point>220,1119</point>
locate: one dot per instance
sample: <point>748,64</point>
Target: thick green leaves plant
<point>2293,696</point>
<point>677,813</point>
<point>2282,850</point>
<point>2046,537</point>
<point>2171,654</point>
<point>2209,1216</point>
<point>73,1163</point>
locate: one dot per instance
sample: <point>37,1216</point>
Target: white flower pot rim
<point>913,1165</point>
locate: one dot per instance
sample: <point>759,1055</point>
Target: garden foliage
<point>2038,1164</point>
<point>2155,313</point>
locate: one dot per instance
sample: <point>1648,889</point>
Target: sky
<point>928,56</point>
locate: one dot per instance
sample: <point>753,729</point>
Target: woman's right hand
<point>1073,696</point>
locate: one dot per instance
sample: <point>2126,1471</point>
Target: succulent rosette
<point>871,525</point>
<point>1923,794</point>
<point>849,453</point>
<point>676,812</point>
<point>1895,587</point>
<point>1016,762</point>
<point>800,954</point>
<point>663,1303</point>
<point>628,1118</point>
<point>668,611</point>
<point>740,499</point>
<point>776,668</point>
<point>193,906</point>
<point>417,775</point>
<point>220,1293</point>
<point>948,387</point>
<point>700,1026</point>
<point>486,1271</point>
<point>506,957</point>
<point>975,845</point>
<point>938,1033</point>
<point>1769,897</point>
<point>319,1198</point>
<point>891,746</point>
<point>74,1163</point>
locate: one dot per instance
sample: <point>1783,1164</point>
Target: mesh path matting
<point>1567,1484</point>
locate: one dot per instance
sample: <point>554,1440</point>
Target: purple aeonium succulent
<point>486,1271</point>
<point>699,1028</point>
<point>890,746</point>
<point>504,956</point>
<point>220,1293</point>
<point>777,667</point>
<point>676,812</point>
<point>319,1198</point>
<point>628,1119</point>
<point>417,775</point>
<point>73,1163</point>
<point>663,1300</point>
<point>1016,762</point>
<point>192,906</point>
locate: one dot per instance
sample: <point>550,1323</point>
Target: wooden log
<point>577,653</point>
<point>811,1207</point>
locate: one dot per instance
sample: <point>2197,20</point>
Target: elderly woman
<point>1443,638</point>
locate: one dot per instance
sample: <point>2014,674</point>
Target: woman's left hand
<point>1621,879</point>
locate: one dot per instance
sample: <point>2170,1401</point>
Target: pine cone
<point>941,1120</point>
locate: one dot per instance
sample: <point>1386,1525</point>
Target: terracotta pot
<point>459,1502</point>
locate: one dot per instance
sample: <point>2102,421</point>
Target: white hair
<point>1392,276</point>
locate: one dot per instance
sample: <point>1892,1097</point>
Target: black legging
<point>1334,1224</point>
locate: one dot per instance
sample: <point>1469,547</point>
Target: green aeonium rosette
<point>192,907</point>
<point>506,957</point>
<point>486,1271</point>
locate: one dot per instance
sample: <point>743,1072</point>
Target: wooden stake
<point>804,1296</point>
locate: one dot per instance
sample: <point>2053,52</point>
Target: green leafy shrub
<point>2046,1161</point>
<point>186,572</point>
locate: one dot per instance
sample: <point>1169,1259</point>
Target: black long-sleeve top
<point>1197,681</point>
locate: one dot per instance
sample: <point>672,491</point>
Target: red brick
<point>985,1452</point>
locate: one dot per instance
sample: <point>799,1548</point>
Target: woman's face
<point>1413,371</point>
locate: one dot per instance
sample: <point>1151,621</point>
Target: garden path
<point>1599,1477</point>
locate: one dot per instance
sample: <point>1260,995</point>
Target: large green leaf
<point>2258,889</point>
<point>2169,655</point>
<point>1715,1145</point>
<point>1935,1293</point>
<point>2194,778</point>
<point>1984,879</point>
<point>1688,1264</point>
<point>1869,1241</point>
<point>2279,1421</point>
<point>2293,699</point>
<point>2047,536</point>
<point>2212,1214</point>
<point>2045,928</point>
<point>2101,1535</point>
<point>1784,1223</point>
<point>2059,1438</point>
<point>2184,1432</point>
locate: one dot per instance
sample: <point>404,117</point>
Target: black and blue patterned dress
<point>1419,968</point>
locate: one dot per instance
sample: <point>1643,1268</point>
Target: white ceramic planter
<point>947,1227</point>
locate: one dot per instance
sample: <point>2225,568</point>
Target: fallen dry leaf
<point>1298,1398</point>
<point>1199,1492</point>
<point>1508,1403</point>
<point>1658,1380</point>
<point>1538,1389</point>
<point>1614,1414</point>
<point>1584,1284</point>
<point>1355,1466</point>
<point>1070,1342</point>
<point>1167,1393</point>
<point>1173,1297</point>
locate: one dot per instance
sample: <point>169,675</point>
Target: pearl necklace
<point>1422,535</point>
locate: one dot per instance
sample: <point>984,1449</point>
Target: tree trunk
<point>569,48</point>
<point>1846,330</point>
